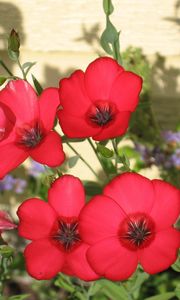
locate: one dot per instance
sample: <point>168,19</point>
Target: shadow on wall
<point>91,37</point>
<point>164,93</point>
<point>176,17</point>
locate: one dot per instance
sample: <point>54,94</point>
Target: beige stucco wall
<point>57,25</point>
<point>62,35</point>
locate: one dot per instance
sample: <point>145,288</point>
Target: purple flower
<point>171,137</point>
<point>175,159</point>
<point>36,169</point>
<point>10,183</point>
<point>7,183</point>
<point>19,185</point>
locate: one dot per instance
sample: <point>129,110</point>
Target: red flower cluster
<point>26,124</point>
<point>99,102</point>
<point>131,223</point>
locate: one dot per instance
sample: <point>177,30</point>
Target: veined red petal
<point>36,219</point>
<point>67,196</point>
<point>73,95</point>
<point>125,91</point>
<point>100,219</point>
<point>21,98</point>
<point>133,192</point>
<point>99,77</point>
<point>162,252</point>
<point>76,127</point>
<point>166,208</point>
<point>77,264</point>
<point>110,259</point>
<point>48,104</point>
<point>49,151</point>
<point>11,157</point>
<point>43,259</point>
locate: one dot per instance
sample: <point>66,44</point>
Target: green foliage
<point>13,45</point>
<point>176,265</point>
<point>104,151</point>
<point>108,7</point>
<point>92,188</point>
<point>27,67</point>
<point>19,297</point>
<point>165,296</point>
<point>2,80</point>
<point>110,37</point>
<point>37,85</point>
<point>73,161</point>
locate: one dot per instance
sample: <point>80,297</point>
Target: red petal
<point>36,219</point>
<point>7,122</point>
<point>11,157</point>
<point>133,192</point>
<point>43,259</point>
<point>75,127</point>
<point>22,100</point>
<point>48,104</point>
<point>73,96</point>
<point>77,264</point>
<point>49,152</point>
<point>100,219</point>
<point>125,91</point>
<point>67,196</point>
<point>110,259</point>
<point>166,207</point>
<point>99,77</point>
<point>162,252</point>
<point>117,128</point>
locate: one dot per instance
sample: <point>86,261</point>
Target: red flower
<point>99,102</point>
<point>56,244</point>
<point>26,124</point>
<point>131,223</point>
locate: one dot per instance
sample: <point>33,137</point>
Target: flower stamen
<point>67,234</point>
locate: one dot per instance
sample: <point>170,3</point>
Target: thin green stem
<point>6,68</point>
<point>97,155</point>
<point>114,144</point>
<point>22,70</point>
<point>84,161</point>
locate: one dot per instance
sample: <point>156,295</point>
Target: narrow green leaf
<point>108,7</point>
<point>113,290</point>
<point>165,296</point>
<point>37,85</point>
<point>104,151</point>
<point>2,80</point>
<point>73,161</point>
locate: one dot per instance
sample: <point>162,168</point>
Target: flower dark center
<point>67,234</point>
<point>101,113</point>
<point>29,136</point>
<point>137,231</point>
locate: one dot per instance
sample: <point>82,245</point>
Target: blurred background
<point>62,36</point>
